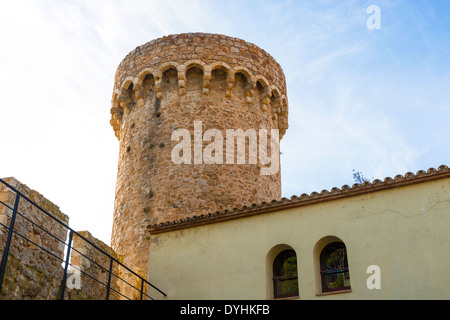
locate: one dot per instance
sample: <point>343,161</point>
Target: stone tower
<point>169,84</point>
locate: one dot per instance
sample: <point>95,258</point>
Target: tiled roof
<point>305,199</point>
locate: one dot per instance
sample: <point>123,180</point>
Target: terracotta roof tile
<point>305,199</point>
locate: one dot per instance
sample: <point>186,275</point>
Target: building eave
<point>345,191</point>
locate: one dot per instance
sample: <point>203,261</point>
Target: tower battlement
<point>211,62</point>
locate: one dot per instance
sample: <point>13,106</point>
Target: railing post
<point>142,287</point>
<point>63,284</point>
<point>109,278</point>
<point>8,241</point>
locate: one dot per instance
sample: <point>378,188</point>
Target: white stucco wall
<point>405,231</point>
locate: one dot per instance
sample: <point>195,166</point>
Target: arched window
<point>285,280</point>
<point>334,267</point>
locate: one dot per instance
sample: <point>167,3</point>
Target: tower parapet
<point>166,85</point>
<point>209,52</point>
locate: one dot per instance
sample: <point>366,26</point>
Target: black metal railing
<point>141,288</point>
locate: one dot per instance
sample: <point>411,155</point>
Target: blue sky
<point>377,101</point>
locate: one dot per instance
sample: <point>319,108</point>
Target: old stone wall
<point>89,275</point>
<point>166,85</point>
<point>32,273</point>
<point>36,274</point>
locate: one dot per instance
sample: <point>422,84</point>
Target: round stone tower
<point>171,91</point>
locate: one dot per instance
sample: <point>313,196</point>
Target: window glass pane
<point>289,266</point>
<point>285,264</point>
<point>334,267</point>
<point>333,281</point>
<point>334,257</point>
<point>285,274</point>
<point>286,287</point>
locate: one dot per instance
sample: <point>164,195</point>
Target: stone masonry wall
<point>166,85</point>
<point>91,269</point>
<point>31,273</point>
<point>34,274</point>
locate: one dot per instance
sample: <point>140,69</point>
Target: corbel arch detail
<point>251,82</point>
